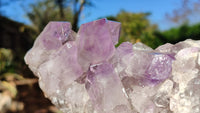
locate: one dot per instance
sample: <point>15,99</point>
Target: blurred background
<point>153,22</point>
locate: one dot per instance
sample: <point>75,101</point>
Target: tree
<point>77,9</point>
<point>60,3</point>
<point>185,13</point>
<point>136,27</point>
<point>59,10</point>
<point>175,35</point>
<point>45,11</point>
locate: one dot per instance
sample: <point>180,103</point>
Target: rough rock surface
<point>85,73</point>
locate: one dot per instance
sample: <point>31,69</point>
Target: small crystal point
<point>55,34</point>
<point>160,67</point>
<point>49,40</point>
<point>62,69</point>
<point>114,28</point>
<point>102,82</point>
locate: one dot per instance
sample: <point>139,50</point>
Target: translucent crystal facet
<point>86,73</point>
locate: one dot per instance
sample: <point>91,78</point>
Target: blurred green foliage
<point>136,27</point>
<point>8,89</point>
<point>5,59</point>
<point>180,33</point>
<point>16,39</point>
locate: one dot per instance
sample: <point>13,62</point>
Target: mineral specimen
<point>85,73</point>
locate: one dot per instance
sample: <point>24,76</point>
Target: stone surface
<point>85,73</point>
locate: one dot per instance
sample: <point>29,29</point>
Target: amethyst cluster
<point>84,73</point>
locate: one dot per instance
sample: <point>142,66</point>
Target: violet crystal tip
<point>84,73</point>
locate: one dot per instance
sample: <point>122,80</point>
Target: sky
<point>103,8</point>
<point>157,8</point>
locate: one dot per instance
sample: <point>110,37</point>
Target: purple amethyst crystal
<point>160,67</point>
<point>95,43</point>
<point>85,73</point>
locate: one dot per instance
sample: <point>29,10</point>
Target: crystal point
<point>95,43</point>
<point>101,82</point>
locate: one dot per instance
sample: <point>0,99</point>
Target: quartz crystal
<point>84,73</point>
